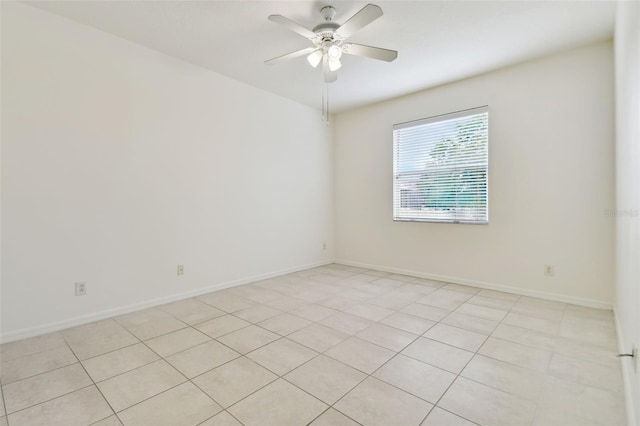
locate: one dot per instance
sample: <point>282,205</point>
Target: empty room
<point>289,213</point>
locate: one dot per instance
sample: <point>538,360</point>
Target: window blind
<point>440,168</point>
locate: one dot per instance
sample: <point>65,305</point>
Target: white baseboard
<point>108,313</point>
<point>626,372</point>
<point>591,303</point>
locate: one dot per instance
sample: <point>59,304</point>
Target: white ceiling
<point>438,41</point>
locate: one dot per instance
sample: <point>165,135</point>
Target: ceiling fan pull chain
<point>325,104</point>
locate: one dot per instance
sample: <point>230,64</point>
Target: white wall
<point>551,177</point>
<point>118,163</point>
<point>627,66</point>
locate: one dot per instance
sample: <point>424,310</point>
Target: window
<point>440,167</point>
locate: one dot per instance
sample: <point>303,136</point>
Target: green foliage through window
<point>440,168</point>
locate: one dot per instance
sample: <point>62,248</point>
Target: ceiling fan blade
<point>329,76</point>
<point>291,55</point>
<point>293,26</point>
<point>369,52</point>
<point>364,17</point>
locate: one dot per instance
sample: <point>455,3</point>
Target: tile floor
<point>334,345</point>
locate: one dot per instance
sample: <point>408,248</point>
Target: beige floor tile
<point>359,354</point>
<point>586,373</point>
<point>438,354</point>
<point>347,323</point>
<point>109,421</point>
<point>489,302</point>
<point>314,312</point>
<point>184,405</point>
<point>425,282</point>
<point>279,403</point>
<point>257,313</point>
<point>95,330</point>
<point>514,353</point>
<point>247,339</point>
<point>440,417</point>
<point>481,312</point>
<point>394,301</point>
<point>499,295</point>
<point>221,419</point>
<point>532,323</point>
<point>226,301</point>
<point>445,299</point>
<point>564,403</point>
<point>551,311</point>
<point>369,311</point>
<point>376,273</point>
<point>596,332</point>
<point>402,277</point>
<point>137,385</point>
<point>415,377</point>
<point>191,311</point>
<point>333,417</point>
<point>37,389</point>
<point>98,338</point>
<point>102,345</point>
<point>338,303</point>
<point>455,336</point>
<point>3,412</point>
<point>374,402</point>
<point>79,408</point>
<point>505,377</point>
<point>358,295</point>
<point>388,283</point>
<point>425,311</point>
<point>325,378</point>
<point>35,364</point>
<point>471,323</point>
<point>588,352</point>
<point>254,293</point>
<point>202,358</point>
<point>318,337</point>
<point>284,324</point>
<point>234,380</point>
<point>409,323</point>
<point>177,341</point>
<point>155,328</point>
<point>387,337</point>
<point>313,295</point>
<point>287,303</point>
<point>117,362</point>
<point>3,421</point>
<point>136,318</point>
<point>462,288</point>
<point>282,356</point>
<point>589,313</point>
<point>487,406</point>
<point>222,325</point>
<point>12,350</point>
<point>525,336</point>
<point>364,277</point>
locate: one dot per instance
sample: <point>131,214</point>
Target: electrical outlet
<point>81,288</point>
<point>180,269</point>
<point>548,270</point>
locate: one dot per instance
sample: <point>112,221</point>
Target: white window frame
<point>401,214</point>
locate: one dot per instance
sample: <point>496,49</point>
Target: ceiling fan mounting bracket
<point>328,12</point>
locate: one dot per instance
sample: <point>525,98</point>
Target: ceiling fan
<point>329,40</point>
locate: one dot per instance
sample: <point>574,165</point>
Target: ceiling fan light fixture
<point>314,58</point>
<point>334,64</point>
<point>334,52</point>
